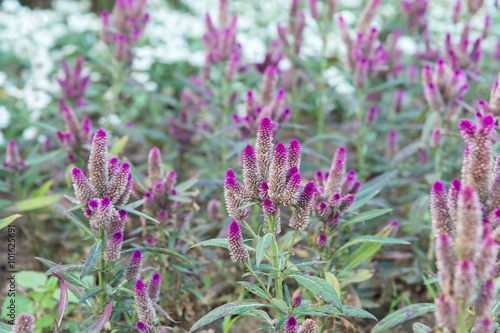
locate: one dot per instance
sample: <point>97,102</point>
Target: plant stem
<point>360,143</point>
<point>295,234</point>
<point>258,280</point>
<point>461,318</point>
<point>102,269</point>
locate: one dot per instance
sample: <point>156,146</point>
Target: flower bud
<point>237,250</point>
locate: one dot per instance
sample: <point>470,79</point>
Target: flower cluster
<point>416,11</point>
<point>335,191</point>
<point>109,185</point>
<point>145,298</point>
<point>291,36</point>
<point>76,137</point>
<point>268,106</point>
<point>494,104</point>
<point>271,177</point>
<point>158,197</point>
<point>74,84</point>
<point>462,220</point>
<point>366,55</point>
<point>124,26</point>
<point>13,161</point>
<point>464,54</point>
<point>444,89</point>
<point>25,323</point>
<point>308,326</point>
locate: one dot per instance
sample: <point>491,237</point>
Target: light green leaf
<point>371,239</point>
<point>402,315</point>
<point>8,220</point>
<point>37,203</point>
<point>366,216</point>
<point>320,288</point>
<point>158,250</point>
<point>119,146</point>
<point>225,310</point>
<point>262,247</point>
<point>92,259</point>
<point>218,242</point>
<point>186,185</point>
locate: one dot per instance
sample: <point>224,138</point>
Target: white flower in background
<point>30,133</point>
<point>4,117</point>
<point>36,100</point>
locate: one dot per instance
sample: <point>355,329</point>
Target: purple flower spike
<point>113,166</point>
<point>335,178</point>
<point>143,304</point>
<point>361,73</point>
<point>213,209</point>
<point>119,184</point>
<point>144,327</point>
<point>446,259</point>
<point>469,225</point>
<point>154,287</point>
<point>264,147</point>
<point>465,281</point>
<point>297,301</point>
<point>484,325</point>
<point>163,217</point>
<point>268,84</point>
<point>398,100</point>
<point>391,144</point>
<point>170,180</point>
<point>371,115</point>
<point>237,250</point>
<point>485,298</point>
<point>446,312</point>
<point>113,247</point>
<point>300,216</point>
<point>133,272</point>
<point>98,163</point>
<point>309,325</point>
<point>441,220</point>
<point>25,323</point>
<point>84,192</point>
<point>340,154</point>
<point>263,191</point>
<point>155,170</point>
<point>277,174</point>
<point>485,262</point>
<point>94,204</point>
<point>294,154</point>
<point>268,207</point>
<point>291,325</point>
<point>292,188</point>
<point>433,97</point>
<point>322,241</point>
<point>250,172</point>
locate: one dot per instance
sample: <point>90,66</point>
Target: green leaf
<point>407,313</point>
<point>280,304</point>
<point>364,252</point>
<point>30,279</point>
<point>42,190</point>
<point>135,204</point>
<point>371,239</point>
<point>362,202</point>
<point>8,220</point>
<point>186,185</point>
<point>63,268</point>
<point>366,216</point>
<point>262,247</point>
<point>225,310</point>
<point>37,203</point>
<point>348,311</point>
<point>136,212</point>
<point>72,218</point>
<point>219,242</point>
<point>89,294</point>
<point>119,146</point>
<point>158,250</point>
<point>92,259</point>
<point>421,328</point>
<point>37,159</point>
<point>4,328</point>
<point>254,289</point>
<point>320,288</point>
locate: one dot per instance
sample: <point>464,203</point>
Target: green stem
<point>360,143</point>
<point>295,234</point>
<point>102,270</point>
<point>461,318</point>
<point>258,280</point>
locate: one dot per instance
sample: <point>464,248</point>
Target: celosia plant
<point>272,181</point>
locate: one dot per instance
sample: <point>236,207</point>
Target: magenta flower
<point>113,247</point>
<point>133,272</point>
<point>154,287</point>
<point>237,250</point>
<point>144,305</point>
<point>291,325</point>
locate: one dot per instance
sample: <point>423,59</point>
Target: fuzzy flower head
<point>73,83</point>
<point>113,247</point>
<point>297,301</point>
<point>13,161</point>
<point>237,250</point>
<point>133,272</point>
<point>308,326</point>
<point>154,287</point>
<point>144,305</point>
<point>291,325</point>
<point>25,323</point>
